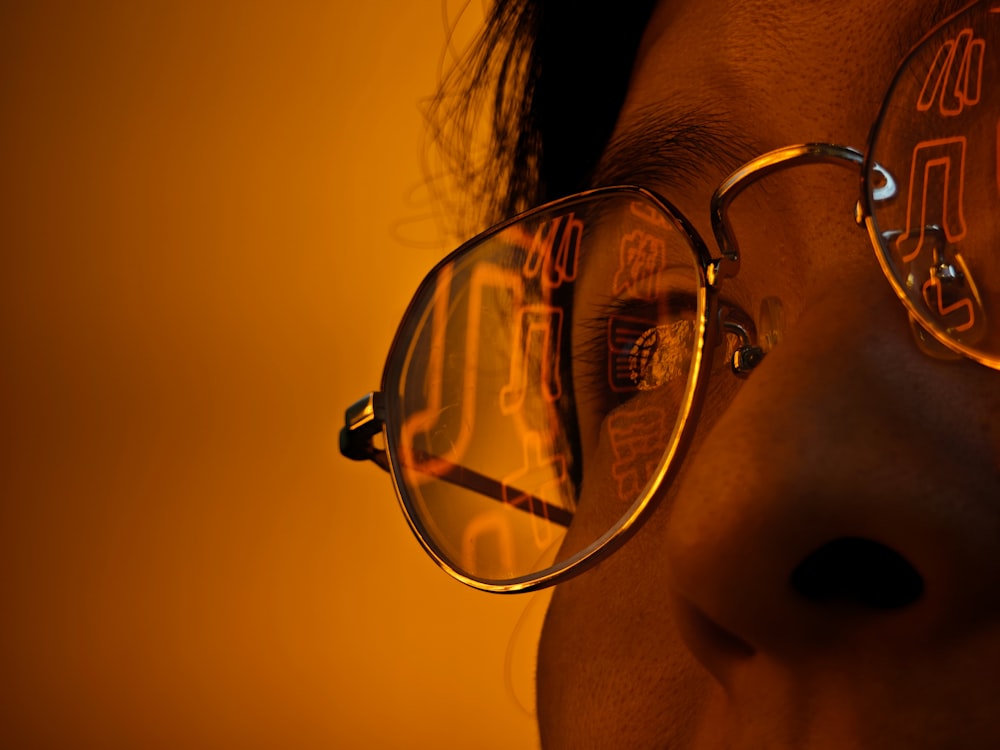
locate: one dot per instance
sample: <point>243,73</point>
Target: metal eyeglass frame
<point>369,416</point>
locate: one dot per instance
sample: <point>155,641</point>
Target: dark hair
<point>549,77</point>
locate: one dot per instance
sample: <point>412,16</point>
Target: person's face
<point>824,572</point>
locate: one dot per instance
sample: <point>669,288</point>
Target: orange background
<point>212,217</point>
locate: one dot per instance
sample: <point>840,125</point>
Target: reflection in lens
<point>493,407</point>
<point>938,136</point>
<point>662,355</point>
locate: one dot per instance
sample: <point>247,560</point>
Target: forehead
<point>768,73</point>
<point>892,26</point>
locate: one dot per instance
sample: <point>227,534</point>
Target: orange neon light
<point>955,76</point>
<point>554,251</point>
<point>541,470</point>
<point>944,157</point>
<point>538,329</point>
<point>636,443</point>
<point>640,256</point>
<point>942,310</point>
<point>483,277</point>
<point>649,213</point>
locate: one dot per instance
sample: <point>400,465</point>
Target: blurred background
<point>212,216</point>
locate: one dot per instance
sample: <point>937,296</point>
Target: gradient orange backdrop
<point>212,219</point>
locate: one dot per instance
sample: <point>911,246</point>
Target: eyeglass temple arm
<point>816,153</point>
<point>366,418</point>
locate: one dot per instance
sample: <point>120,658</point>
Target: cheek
<point>631,443</point>
<point>612,672</point>
<point>612,669</point>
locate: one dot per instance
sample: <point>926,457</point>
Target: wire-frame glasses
<point>559,359</point>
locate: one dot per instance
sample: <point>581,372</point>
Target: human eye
<point>634,345</point>
<point>632,372</point>
<point>632,364</point>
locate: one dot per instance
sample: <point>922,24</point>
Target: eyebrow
<point>664,145</point>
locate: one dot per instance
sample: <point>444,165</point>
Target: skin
<point>690,635</point>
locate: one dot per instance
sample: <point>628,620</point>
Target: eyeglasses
<point>559,360</point>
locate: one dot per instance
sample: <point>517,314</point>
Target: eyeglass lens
<point>939,136</point>
<point>531,384</point>
<point>541,376</point>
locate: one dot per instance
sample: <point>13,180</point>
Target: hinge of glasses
<point>363,420</point>
<point>721,268</point>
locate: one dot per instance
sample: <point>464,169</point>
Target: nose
<point>850,491</point>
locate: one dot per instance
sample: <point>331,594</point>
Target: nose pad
<point>771,323</point>
<point>930,345</point>
<point>858,571</point>
<point>745,344</point>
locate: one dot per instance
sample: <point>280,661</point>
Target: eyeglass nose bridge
<point>807,153</point>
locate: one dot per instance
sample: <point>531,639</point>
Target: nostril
<point>859,571</point>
